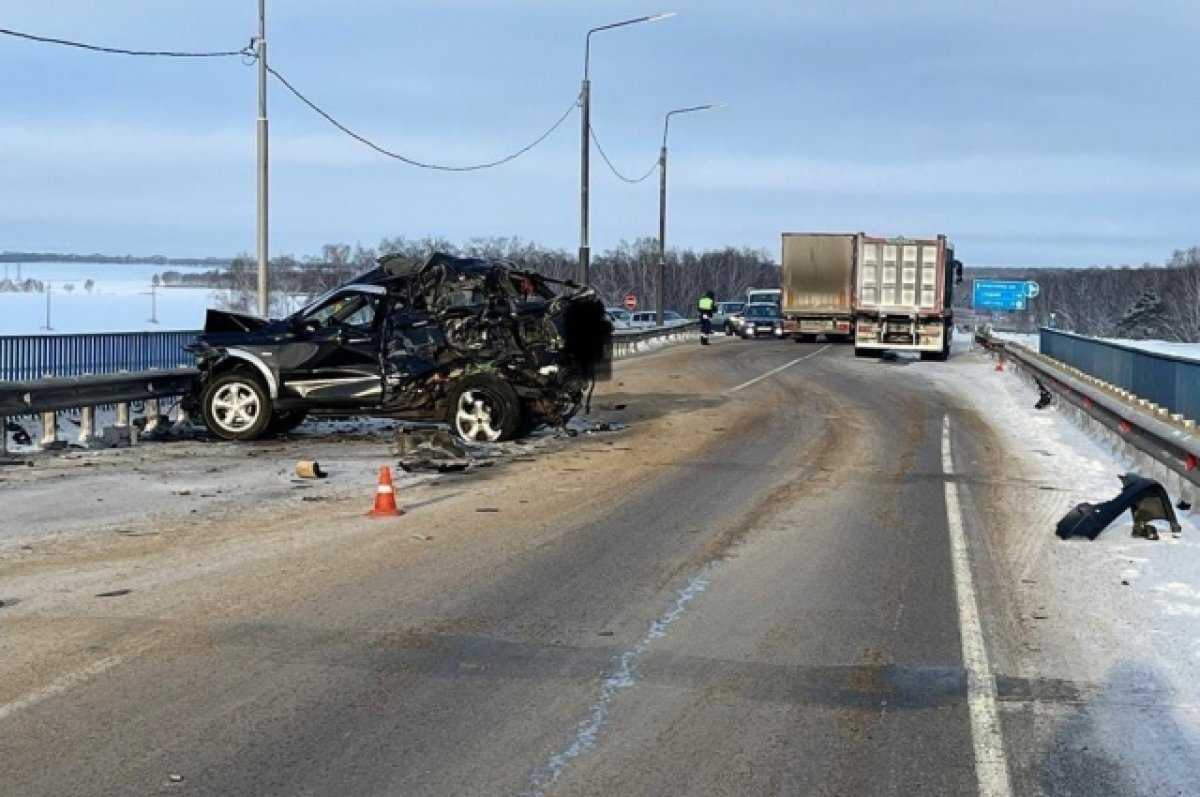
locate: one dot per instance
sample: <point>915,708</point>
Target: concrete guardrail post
<point>87,425</point>
<point>49,429</point>
<point>3,435</point>
<point>153,414</point>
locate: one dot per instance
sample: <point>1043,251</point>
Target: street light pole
<point>263,304</point>
<point>585,121</point>
<point>662,202</point>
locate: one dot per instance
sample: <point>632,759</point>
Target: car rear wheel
<point>236,406</point>
<point>483,409</point>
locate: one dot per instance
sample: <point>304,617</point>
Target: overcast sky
<point>1033,132</point>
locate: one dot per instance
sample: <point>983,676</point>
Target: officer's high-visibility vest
<point>706,304</point>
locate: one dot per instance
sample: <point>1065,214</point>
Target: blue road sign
<point>1002,294</point>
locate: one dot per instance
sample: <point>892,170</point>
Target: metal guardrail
<point>45,397</point>
<point>1168,439</point>
<point>25,357</point>
<point>627,342</point>
<point>1164,380</point>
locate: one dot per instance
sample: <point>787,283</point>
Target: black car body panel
<point>393,341</point>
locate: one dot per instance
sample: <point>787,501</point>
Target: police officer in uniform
<point>707,305</point>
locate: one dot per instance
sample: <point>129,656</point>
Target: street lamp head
<point>712,106</point>
<point>660,17</point>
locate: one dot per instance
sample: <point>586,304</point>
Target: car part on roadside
<point>482,345</point>
<point>1045,397</point>
<point>310,469</point>
<point>430,447</point>
<point>1146,500</point>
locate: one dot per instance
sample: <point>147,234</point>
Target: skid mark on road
<point>991,766</point>
<point>623,677</point>
<point>783,367</point>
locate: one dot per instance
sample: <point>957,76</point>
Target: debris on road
<point>310,469</point>
<point>1045,397</point>
<point>430,446</point>
<point>1146,499</point>
<point>422,537</point>
<point>116,593</point>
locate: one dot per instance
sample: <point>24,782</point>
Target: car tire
<point>236,406</point>
<point>729,330</point>
<point>483,409</point>
<point>284,421</point>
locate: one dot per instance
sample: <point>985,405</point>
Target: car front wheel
<point>236,406</point>
<point>483,409</point>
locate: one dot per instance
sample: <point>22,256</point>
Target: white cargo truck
<point>818,284</point>
<point>903,293</point>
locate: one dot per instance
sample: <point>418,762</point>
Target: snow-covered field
<point>120,300</point>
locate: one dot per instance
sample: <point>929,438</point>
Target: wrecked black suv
<point>489,348</point>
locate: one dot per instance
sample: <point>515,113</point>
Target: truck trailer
<point>818,284</point>
<point>904,289</point>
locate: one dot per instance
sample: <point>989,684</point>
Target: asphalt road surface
<point>758,598</point>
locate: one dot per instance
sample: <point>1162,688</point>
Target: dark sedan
<point>762,320</point>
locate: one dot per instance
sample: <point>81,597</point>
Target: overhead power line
<point>248,50</point>
<point>613,169</point>
<point>412,161</point>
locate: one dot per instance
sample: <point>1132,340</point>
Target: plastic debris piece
<point>310,469</point>
<point>1146,499</point>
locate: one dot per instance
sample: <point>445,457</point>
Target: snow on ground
<point>1190,351</point>
<point>1112,627</point>
<point>120,300</point>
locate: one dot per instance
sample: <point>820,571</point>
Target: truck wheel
<point>236,406</point>
<point>806,338</point>
<point>483,409</point>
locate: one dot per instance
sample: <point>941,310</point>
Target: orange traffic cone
<point>385,496</point>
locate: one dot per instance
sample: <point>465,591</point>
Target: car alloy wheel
<point>484,409</point>
<point>236,407</point>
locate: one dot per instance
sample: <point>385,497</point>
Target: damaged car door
<point>334,358</point>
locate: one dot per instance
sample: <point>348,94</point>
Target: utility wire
<point>411,161</point>
<point>248,50</point>
<point>613,169</point>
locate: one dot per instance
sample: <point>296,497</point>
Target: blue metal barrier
<point>1171,382</point>
<point>37,356</point>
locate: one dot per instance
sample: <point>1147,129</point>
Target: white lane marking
<point>758,379</point>
<point>59,686</point>
<point>624,677</point>
<point>991,766</point>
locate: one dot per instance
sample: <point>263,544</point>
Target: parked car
<point>489,348</point>
<point>649,318</point>
<point>723,316</point>
<point>762,319</point>
<point>620,317</point>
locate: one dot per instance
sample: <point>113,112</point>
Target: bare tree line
<point>624,269</point>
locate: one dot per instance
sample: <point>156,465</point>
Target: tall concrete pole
<point>263,304</point>
<point>662,231</point>
<point>585,251</point>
